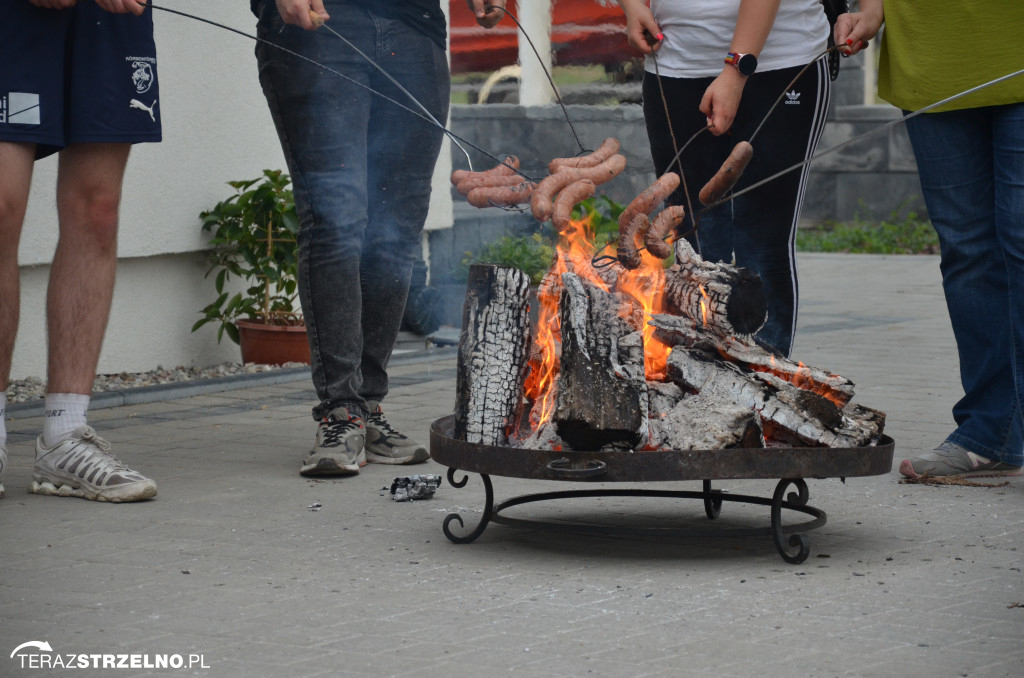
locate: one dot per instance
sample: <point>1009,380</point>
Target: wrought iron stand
<point>789,465</point>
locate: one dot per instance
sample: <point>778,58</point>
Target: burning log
<point>632,354</point>
<point>676,330</point>
<point>728,300</point>
<point>790,413</point>
<point>602,393</point>
<point>492,354</point>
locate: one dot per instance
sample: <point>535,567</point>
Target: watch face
<point>747,64</point>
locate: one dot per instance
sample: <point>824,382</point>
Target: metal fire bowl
<point>790,465</point>
<point>658,465</point>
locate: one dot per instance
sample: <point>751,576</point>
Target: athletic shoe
<point>339,446</point>
<point>385,445</point>
<point>82,466</point>
<point>3,467</point>
<point>949,460</point>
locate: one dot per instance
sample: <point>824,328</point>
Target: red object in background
<point>582,32</point>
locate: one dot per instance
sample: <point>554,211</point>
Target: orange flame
<point>704,304</point>
<point>645,285</point>
<point>574,254</point>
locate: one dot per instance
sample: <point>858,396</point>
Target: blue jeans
<point>361,169</point>
<point>971,164</point>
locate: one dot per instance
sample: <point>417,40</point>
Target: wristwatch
<point>746,64</point>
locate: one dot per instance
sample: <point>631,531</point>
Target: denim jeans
<point>971,164</point>
<point>361,169</point>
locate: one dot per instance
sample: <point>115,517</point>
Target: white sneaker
<point>81,466</point>
<point>3,467</point>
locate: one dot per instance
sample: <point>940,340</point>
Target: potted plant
<point>253,234</point>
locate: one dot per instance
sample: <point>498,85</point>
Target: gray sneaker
<point>950,460</point>
<point>3,468</point>
<point>82,466</point>
<point>385,445</point>
<point>339,446</point>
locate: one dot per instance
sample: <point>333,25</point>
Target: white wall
<point>216,128</point>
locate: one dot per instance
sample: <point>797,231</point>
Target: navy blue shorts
<point>77,75</point>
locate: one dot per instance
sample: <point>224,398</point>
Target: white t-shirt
<point>698,33</point>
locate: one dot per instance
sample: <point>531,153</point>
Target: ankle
<point>64,412</point>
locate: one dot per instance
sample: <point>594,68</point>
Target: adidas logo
<point>793,98</point>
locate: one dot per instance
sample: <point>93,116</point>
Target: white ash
<point>34,388</point>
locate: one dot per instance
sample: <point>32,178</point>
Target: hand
<point>722,99</point>
<point>854,29</point>
<point>135,7</point>
<point>53,4</point>
<point>296,12</point>
<point>487,12</point>
<point>642,30</point>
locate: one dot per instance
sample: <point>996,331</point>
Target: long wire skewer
<point>451,135</point>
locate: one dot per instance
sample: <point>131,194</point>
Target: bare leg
<point>82,276</point>
<point>17,162</point>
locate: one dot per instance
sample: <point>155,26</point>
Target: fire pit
<point>642,366</point>
<point>790,465</point>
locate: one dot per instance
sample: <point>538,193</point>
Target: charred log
<point>792,416</point>
<point>492,356</point>
<point>679,331</point>
<point>602,393</point>
<point>707,421</point>
<point>728,300</point>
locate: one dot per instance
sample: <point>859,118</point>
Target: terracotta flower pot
<point>272,344</point>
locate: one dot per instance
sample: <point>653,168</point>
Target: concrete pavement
<point>261,572</point>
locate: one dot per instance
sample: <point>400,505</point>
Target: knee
<point>12,213</point>
<point>92,218</point>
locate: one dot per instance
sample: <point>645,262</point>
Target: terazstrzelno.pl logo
<point>40,655</point>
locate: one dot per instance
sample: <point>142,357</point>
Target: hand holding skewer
<point>306,14</point>
<point>854,29</point>
<point>488,12</point>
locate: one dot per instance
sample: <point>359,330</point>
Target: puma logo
<point>135,103</point>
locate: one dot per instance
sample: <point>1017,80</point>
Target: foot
<point>3,468</point>
<point>385,445</point>
<point>82,466</point>
<point>339,446</point>
<point>950,460</point>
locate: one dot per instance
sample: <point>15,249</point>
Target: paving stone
<point>267,573</point>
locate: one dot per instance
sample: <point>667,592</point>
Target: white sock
<point>3,420</point>
<point>64,412</point>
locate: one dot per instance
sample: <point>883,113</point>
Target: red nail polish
<point>660,36</point>
<point>849,41</point>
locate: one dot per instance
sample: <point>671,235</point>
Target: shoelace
<point>100,459</point>
<point>334,429</point>
<point>379,422</point>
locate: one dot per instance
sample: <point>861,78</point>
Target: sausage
<point>650,198</point>
<point>607,148</point>
<point>501,196</point>
<point>487,181</point>
<point>541,202</point>
<point>568,198</point>
<point>728,175</point>
<point>663,224</point>
<point>505,168</point>
<point>628,253</point>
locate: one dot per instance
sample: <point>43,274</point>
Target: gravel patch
<point>34,388</point>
